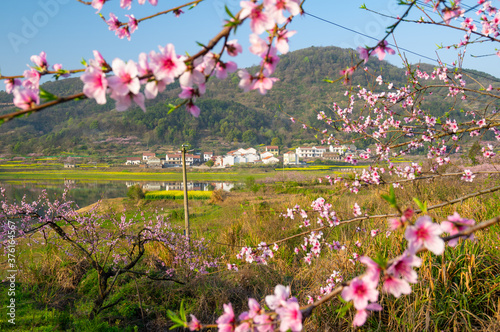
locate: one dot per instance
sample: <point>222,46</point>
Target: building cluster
<point>267,155</point>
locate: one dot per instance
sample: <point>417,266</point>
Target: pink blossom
<point>403,267</point>
<point>264,323</point>
<point>125,79</point>
<point>233,48</point>
<point>132,23</point>
<point>281,294</point>
<point>258,45</point>
<point>95,85</point>
<point>373,269</point>
<point>113,22</point>
<point>98,62</point>
<point>425,233</point>
<point>263,84</point>
<point>381,49</point>
<point>361,315</point>
<point>58,67</point>
<point>11,84</point>
<point>193,109</point>
<point>166,65</point>
<point>282,40</point>
<point>456,224</point>
<point>360,292</point>
<point>25,98</point>
<point>468,176</point>
<point>396,286</point>
<point>246,81</point>
<point>194,324</point>
<point>363,53</point>
<point>97,4</point>
<point>40,61</point>
<point>270,60</point>
<point>126,4</point>
<point>356,210</point>
<point>290,316</point>
<point>259,20</point>
<point>225,323</point>
<point>32,79</point>
<point>123,102</point>
<point>222,68</point>
<point>276,8</point>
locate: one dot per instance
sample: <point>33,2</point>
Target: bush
<point>136,193</point>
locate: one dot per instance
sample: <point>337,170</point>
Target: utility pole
<point>184,180</point>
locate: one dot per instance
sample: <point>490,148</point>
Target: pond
<point>86,192</point>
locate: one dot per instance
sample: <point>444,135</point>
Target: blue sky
<point>68,31</point>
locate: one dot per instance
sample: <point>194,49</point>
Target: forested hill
<point>229,117</point>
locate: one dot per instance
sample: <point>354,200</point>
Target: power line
<point>367,36</point>
<point>492,78</point>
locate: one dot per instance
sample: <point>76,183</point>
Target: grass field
<point>456,291</point>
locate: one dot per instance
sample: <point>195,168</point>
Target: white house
<point>207,156</point>
<point>310,152</point>
<point>266,154</point>
<point>133,161</point>
<point>147,155</point>
<point>154,161</point>
<point>338,149</point>
<point>290,158</point>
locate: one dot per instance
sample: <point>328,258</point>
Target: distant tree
<point>276,141</point>
<point>210,163</point>
<point>249,137</point>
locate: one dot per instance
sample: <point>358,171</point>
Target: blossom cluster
<point>286,316</point>
<point>133,82</point>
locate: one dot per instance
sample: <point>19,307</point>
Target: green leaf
<point>363,6</point>
<point>391,197</point>
<point>228,12</point>
<point>2,121</point>
<point>83,62</point>
<point>47,96</point>
<point>343,309</point>
<point>180,320</point>
<point>421,206</point>
<point>327,81</point>
<point>172,108</point>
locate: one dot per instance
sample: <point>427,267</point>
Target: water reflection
<point>87,192</point>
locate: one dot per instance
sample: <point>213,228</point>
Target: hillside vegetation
<point>229,117</point>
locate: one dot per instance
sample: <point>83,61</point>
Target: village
<point>269,154</point>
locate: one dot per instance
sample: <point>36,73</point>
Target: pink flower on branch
<point>95,84</point>
<point>277,7</point>
<point>290,316</point>
<point>360,291</point>
<point>456,224</point>
<point>125,79</point>
<point>166,65</point>
<point>222,68</point>
<point>396,286</point>
<point>259,20</point>
<point>194,324</point>
<point>263,84</point>
<point>40,61</point>
<point>282,40</point>
<point>226,322</point>
<point>97,4</point>
<point>233,48</point>
<point>382,49</point>
<point>25,98</point>
<point>425,233</point>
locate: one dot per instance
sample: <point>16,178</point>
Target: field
<point>456,291</point>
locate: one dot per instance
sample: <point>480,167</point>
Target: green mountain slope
<point>229,117</point>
